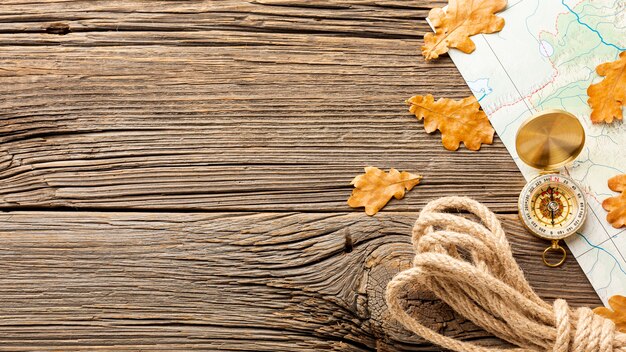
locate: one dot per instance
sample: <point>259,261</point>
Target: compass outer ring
<point>520,206</point>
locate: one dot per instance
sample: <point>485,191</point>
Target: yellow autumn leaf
<point>458,120</point>
<point>460,20</point>
<point>617,313</point>
<point>375,188</point>
<point>616,206</point>
<point>607,97</point>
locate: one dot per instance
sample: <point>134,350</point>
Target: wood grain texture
<point>236,120</point>
<point>390,19</point>
<point>225,281</point>
<point>201,154</point>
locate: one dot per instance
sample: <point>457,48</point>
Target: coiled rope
<point>486,286</point>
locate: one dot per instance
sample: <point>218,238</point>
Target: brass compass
<point>551,206</point>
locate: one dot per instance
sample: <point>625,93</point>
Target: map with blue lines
<point>545,58</point>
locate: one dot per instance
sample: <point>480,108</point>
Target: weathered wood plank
<point>224,281</point>
<point>260,127</point>
<point>391,18</point>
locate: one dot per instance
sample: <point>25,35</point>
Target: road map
<point>545,58</point>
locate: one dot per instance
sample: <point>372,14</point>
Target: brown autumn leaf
<point>607,97</point>
<point>617,313</point>
<point>375,188</point>
<point>460,20</point>
<point>616,206</point>
<point>458,120</point>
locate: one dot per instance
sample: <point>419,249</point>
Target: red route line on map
<point>553,78</point>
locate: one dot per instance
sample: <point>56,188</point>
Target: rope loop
<point>469,265</point>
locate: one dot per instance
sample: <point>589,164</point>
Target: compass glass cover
<point>552,206</point>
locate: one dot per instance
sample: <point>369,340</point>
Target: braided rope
<point>489,288</point>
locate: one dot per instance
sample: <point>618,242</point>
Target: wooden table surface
<point>175,175</point>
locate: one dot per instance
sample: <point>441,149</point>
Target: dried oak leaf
<point>616,206</point>
<point>460,20</point>
<point>617,313</point>
<point>375,188</point>
<point>458,120</point>
<point>607,97</point>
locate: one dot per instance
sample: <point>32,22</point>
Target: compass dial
<point>552,206</point>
